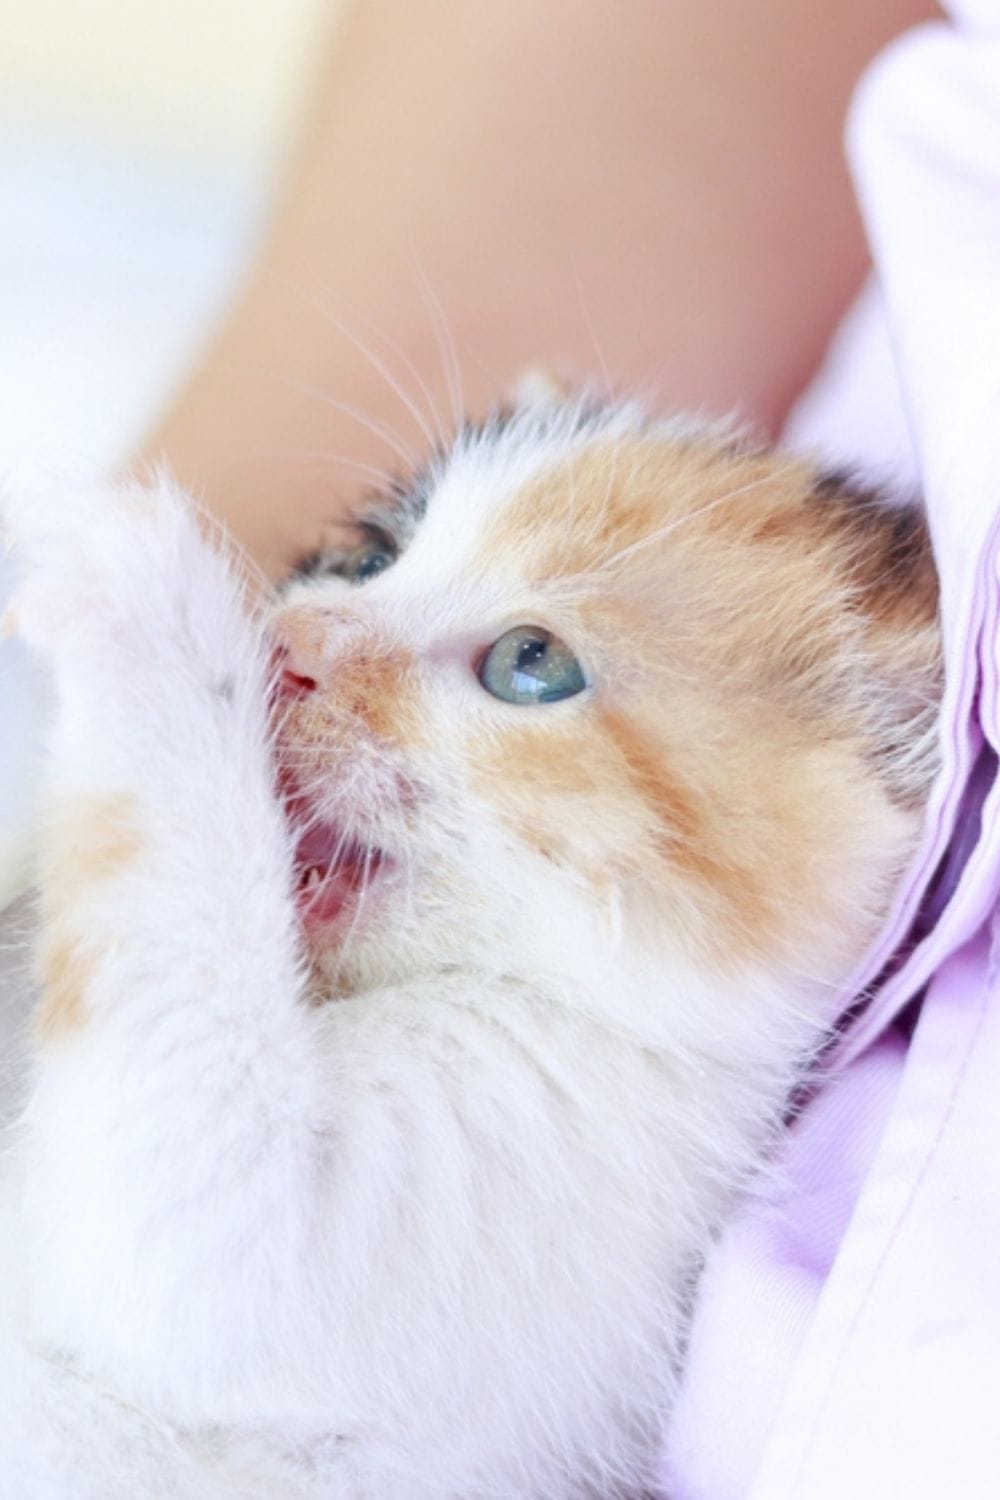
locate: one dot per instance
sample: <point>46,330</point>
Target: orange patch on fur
<point>65,972</point>
<point>692,839</point>
<point>375,689</point>
<point>607,799</point>
<point>87,844</point>
<point>359,678</point>
<point>759,647</point>
<point>577,515</point>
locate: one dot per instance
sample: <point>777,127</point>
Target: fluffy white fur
<point>434,1239</point>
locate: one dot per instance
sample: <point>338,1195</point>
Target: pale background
<point>139,144</point>
<point>139,140</point>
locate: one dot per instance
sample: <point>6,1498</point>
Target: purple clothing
<point>847,1337</point>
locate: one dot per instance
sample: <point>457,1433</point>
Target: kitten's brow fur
<point>412,1206</point>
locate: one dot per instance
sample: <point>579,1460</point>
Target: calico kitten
<point>425,964</point>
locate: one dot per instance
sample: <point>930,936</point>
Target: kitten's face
<point>616,689</point>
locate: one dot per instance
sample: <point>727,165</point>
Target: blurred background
<point>139,141</point>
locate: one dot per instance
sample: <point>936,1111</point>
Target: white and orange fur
<point>409,1204</point>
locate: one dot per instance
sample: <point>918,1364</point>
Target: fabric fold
<point>874,1325</point>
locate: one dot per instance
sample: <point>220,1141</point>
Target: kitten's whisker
<point>438,435</point>
<point>377,364</point>
<point>378,476</point>
<point>664,531</point>
<point>444,340</point>
<point>364,419</point>
<point>591,331</point>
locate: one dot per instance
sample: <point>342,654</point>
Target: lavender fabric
<point>847,1338</point>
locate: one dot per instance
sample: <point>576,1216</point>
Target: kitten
<point>425,964</point>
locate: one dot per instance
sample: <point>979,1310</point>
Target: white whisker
<point>382,478</point>
<point>592,332</point>
<point>444,340</point>
<point>374,360</point>
<point>364,419</point>
<point>664,531</point>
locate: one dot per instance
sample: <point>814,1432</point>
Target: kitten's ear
<point>539,386</point>
<point>893,579</point>
<point>908,683</point>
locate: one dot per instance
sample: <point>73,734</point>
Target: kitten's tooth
<point>313,878</point>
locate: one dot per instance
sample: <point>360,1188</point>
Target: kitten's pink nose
<point>301,651</point>
<point>286,682</point>
<point>292,684</point>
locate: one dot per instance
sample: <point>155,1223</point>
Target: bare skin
<point>648,195</point>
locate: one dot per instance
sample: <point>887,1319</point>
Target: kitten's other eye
<point>530,665</point>
<point>365,562</point>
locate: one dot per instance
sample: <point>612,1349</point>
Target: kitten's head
<point>594,687</point>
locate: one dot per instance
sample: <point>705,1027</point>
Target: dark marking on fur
<point>888,549</point>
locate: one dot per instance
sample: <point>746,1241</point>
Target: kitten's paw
<point>66,541</point>
<point>38,611</point>
<point>125,568</point>
<point>48,520</point>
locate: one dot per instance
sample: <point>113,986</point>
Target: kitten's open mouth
<point>333,870</point>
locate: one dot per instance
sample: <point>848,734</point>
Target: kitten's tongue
<point>331,870</point>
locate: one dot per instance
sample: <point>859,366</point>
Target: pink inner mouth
<point>332,870</point>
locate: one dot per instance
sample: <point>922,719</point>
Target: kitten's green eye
<point>365,562</point>
<point>529,665</point>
